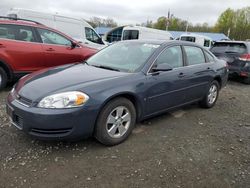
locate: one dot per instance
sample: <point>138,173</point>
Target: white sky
<point>130,11</point>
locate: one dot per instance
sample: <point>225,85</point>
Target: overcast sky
<point>130,11</point>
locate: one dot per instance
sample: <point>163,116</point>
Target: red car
<point>27,46</point>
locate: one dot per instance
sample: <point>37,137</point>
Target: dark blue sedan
<point>120,85</point>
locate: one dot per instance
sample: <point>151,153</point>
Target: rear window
<point>130,34</point>
<point>229,48</point>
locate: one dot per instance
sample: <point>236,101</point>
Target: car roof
<point>31,24</point>
<point>162,42</point>
<point>20,22</point>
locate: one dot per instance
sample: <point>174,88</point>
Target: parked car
<point>204,41</point>
<point>144,33</point>
<point>126,82</point>
<point>237,55</point>
<point>27,46</point>
<point>77,28</point>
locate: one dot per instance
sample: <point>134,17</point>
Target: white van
<point>78,29</point>
<point>140,33</point>
<point>204,41</point>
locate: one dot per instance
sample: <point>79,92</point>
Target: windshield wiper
<point>106,67</point>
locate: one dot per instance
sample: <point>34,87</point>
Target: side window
<point>50,37</point>
<point>17,32</point>
<point>130,34</point>
<point>206,43</point>
<point>194,55</point>
<point>171,56</point>
<point>209,56</point>
<point>92,36</point>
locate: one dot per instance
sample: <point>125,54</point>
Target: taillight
<point>245,57</point>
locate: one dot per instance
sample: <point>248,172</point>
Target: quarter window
<point>194,55</point>
<point>206,43</point>
<point>209,56</point>
<point>171,56</point>
<point>50,37</point>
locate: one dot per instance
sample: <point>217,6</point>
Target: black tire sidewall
<point>101,133</point>
<point>4,78</point>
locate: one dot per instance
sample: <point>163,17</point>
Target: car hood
<point>48,81</point>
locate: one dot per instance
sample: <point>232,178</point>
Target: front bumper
<point>52,124</point>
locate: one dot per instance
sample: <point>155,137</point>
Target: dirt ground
<point>190,147</point>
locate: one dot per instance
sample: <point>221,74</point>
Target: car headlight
<point>64,100</point>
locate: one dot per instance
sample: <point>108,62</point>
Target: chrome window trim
<point>148,73</point>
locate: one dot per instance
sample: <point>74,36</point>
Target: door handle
<point>181,75</point>
<point>86,43</point>
<point>50,50</point>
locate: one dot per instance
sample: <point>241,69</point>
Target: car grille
<point>50,131</point>
<point>18,121</point>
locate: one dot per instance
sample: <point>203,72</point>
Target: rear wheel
<point>211,96</point>
<point>246,80</point>
<point>3,78</point>
<point>115,122</point>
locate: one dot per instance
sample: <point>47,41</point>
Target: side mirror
<point>162,67</point>
<point>75,44</point>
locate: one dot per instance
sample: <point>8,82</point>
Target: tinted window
<point>209,56</point>
<point>227,47</point>
<point>130,34</point>
<point>115,35</point>
<point>17,32</point>
<point>171,56</point>
<point>50,37</point>
<point>194,55</point>
<point>206,43</point>
<point>126,57</point>
<point>190,39</point>
<point>92,36</point>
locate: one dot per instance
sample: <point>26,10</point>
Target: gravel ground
<point>190,147</point>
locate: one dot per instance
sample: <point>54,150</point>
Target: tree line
<point>233,23</point>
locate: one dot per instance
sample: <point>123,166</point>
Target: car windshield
<point>123,56</point>
<point>229,48</point>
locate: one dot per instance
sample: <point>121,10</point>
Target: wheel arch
<point>131,97</point>
<point>219,80</point>
<point>7,69</point>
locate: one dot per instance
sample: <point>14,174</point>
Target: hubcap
<point>118,122</point>
<point>212,94</point>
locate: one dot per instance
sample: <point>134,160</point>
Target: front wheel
<point>246,80</point>
<point>3,79</point>
<point>211,96</point>
<point>115,122</point>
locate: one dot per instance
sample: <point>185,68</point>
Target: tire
<point>211,96</point>
<point>246,80</point>
<point>3,78</point>
<point>115,122</point>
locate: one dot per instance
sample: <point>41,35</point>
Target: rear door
<point>20,48</point>
<point>199,72</point>
<point>58,49</point>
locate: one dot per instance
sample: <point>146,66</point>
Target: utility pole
<point>168,19</point>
